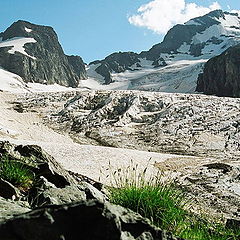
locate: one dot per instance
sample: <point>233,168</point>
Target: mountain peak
<point>34,53</point>
<point>174,64</point>
<point>23,28</point>
<point>196,35</point>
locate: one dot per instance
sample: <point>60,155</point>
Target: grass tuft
<point>160,200</point>
<point>17,173</point>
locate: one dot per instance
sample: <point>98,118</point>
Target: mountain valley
<point>174,109</point>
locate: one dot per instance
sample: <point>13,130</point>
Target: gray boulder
<point>45,193</point>
<point>10,208</point>
<point>89,220</point>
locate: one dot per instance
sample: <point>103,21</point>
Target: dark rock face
<point>221,75</point>
<point>7,190</point>
<point>78,65</point>
<point>49,65</point>
<point>116,62</point>
<point>88,220</point>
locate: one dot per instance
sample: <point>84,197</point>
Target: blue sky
<point>95,28</point>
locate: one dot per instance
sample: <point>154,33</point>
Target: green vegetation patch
<point>16,172</point>
<point>160,200</point>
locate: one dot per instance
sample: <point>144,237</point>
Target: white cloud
<point>160,15</point>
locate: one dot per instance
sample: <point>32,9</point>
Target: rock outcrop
<point>44,61</point>
<point>116,62</point>
<point>215,188</point>
<point>221,74</point>
<point>82,220</point>
<point>62,205</point>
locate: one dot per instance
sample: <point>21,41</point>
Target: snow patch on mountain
<point>17,45</point>
<point>92,74</point>
<point>177,77</point>
<point>10,82</point>
<point>230,20</point>
<point>28,29</point>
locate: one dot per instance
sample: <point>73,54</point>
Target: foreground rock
<point>65,205</point>
<point>221,75</point>
<point>10,208</point>
<point>83,220</point>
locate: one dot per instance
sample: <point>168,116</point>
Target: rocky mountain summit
<point>34,53</point>
<point>221,74</point>
<point>204,35</point>
<point>174,64</point>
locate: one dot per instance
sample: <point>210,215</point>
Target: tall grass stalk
<point>16,172</point>
<point>157,198</point>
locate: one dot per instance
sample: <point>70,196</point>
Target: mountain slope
<point>202,36</point>
<point>161,68</point>
<point>34,53</point>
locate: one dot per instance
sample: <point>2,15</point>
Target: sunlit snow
<point>28,29</point>
<point>17,45</point>
<point>11,82</point>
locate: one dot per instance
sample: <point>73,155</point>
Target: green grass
<point>17,173</point>
<point>167,207</point>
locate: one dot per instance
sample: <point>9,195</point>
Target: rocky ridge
<point>41,58</point>
<point>194,42</point>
